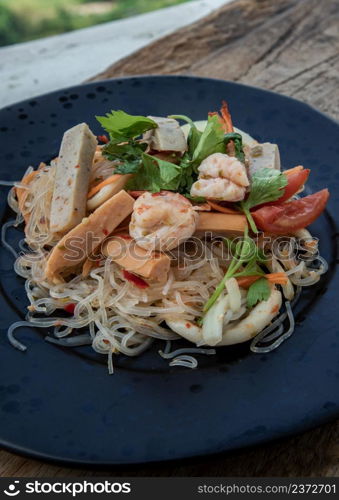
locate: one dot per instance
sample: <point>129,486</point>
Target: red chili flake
<point>105,231</point>
<point>77,166</point>
<point>188,325</point>
<point>139,282</point>
<point>103,138</point>
<point>160,193</point>
<point>70,308</point>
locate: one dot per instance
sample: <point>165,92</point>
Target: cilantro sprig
<point>122,127</point>
<point>200,145</point>
<point>123,130</point>
<point>238,146</point>
<point>267,185</point>
<point>248,256</point>
<point>155,175</point>
<point>258,291</point>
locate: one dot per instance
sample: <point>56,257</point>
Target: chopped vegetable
<point>103,138</point>
<point>274,278</point>
<point>195,199</point>
<point>109,180</point>
<point>211,141</point>
<point>258,291</point>
<point>136,280</point>
<point>290,216</point>
<point>70,308</point>
<point>155,175</point>
<point>122,126</point>
<point>129,155</point>
<point>238,147</point>
<point>295,181</point>
<point>266,186</point>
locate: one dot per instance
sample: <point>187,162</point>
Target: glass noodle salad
<point>164,228</point>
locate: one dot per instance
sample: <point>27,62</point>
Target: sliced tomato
<point>296,178</point>
<point>283,218</point>
<point>295,181</point>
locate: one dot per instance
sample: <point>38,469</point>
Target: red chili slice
<point>70,308</point>
<point>139,282</point>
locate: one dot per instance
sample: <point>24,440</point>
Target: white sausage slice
<point>168,136</point>
<point>72,177</point>
<point>269,157</point>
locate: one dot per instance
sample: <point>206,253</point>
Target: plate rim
<point>258,441</point>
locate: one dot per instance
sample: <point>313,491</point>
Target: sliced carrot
<point>274,278</point>
<point>224,210</point>
<point>113,178</point>
<point>225,113</point>
<point>293,170</point>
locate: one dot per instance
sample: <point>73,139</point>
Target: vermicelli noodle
<point>204,289</point>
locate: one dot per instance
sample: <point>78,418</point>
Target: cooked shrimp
<point>161,221</point>
<point>221,177</point>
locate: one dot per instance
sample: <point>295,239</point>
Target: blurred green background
<point>22,20</point>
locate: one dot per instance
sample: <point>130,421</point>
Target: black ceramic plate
<point>62,405</point>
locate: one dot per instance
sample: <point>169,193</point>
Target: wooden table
<point>292,47</point>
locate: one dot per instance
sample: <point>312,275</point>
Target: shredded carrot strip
<point>293,170</point>
<point>219,208</point>
<point>274,278</point>
<point>113,178</point>
<point>225,113</point>
<point>228,127</point>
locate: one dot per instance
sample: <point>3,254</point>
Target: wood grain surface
<point>289,46</point>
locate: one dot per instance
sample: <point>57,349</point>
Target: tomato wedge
<point>296,178</point>
<point>284,218</point>
<point>295,181</point>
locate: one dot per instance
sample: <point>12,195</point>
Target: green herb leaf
<point>195,199</point>
<point>128,167</point>
<point>237,139</point>
<point>155,174</point>
<point>193,137</point>
<point>246,254</point>
<point>129,155</point>
<point>211,141</point>
<point>258,291</point>
<point>267,185</point>
<point>240,250</point>
<point>123,126</point>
